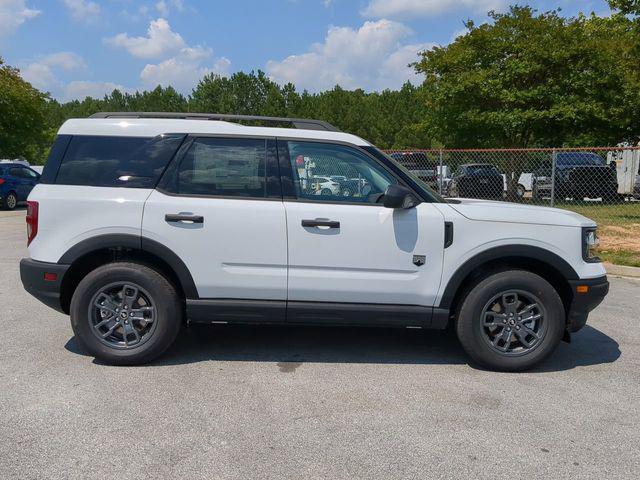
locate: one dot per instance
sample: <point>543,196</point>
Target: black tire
<point>166,304</point>
<point>474,335</point>
<point>325,192</point>
<point>10,201</point>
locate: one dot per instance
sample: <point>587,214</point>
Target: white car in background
<point>325,186</point>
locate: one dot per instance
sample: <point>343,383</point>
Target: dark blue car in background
<point>16,182</point>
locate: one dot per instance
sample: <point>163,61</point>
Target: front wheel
<point>511,321</point>
<point>125,313</point>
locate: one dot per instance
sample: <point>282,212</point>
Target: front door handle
<point>179,217</point>
<point>320,223</point>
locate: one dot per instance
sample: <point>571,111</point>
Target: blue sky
<point>74,48</point>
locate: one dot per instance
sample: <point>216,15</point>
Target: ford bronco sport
<point>144,221</point>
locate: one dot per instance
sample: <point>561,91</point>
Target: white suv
<point>144,221</point>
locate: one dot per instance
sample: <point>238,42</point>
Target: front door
<point>347,248</point>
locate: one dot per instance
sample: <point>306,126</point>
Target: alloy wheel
<point>513,322</point>
<point>122,315</point>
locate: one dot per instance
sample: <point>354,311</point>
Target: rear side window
<point>223,167</point>
<point>101,161</point>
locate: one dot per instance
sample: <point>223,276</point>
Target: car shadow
<point>290,346</point>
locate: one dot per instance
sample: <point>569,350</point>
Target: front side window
<point>224,167</point>
<point>336,173</point>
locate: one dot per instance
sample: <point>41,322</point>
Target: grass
<point>620,257</point>
<point>619,229</point>
<point>620,214</point>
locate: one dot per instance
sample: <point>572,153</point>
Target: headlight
<point>590,242</point>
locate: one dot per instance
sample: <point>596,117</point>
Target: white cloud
<point>41,73</point>
<point>372,57</point>
<point>79,90</point>
<point>160,41</point>
<point>83,10</point>
<point>184,70</point>
<point>14,13</point>
<point>426,8</point>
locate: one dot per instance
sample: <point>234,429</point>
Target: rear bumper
<point>32,274</point>
<point>583,303</point>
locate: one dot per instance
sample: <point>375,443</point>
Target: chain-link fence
<point>600,183</point>
<point>543,176</point>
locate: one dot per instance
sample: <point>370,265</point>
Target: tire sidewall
<point>469,321</point>
<point>163,296</point>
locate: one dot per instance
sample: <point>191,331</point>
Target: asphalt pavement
<point>302,402</point>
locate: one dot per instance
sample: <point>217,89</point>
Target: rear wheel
<point>125,313</point>
<point>10,201</point>
<point>325,192</point>
<point>511,321</point>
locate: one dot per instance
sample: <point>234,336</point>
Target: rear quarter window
<point>101,161</point>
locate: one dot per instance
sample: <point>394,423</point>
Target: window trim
<point>286,172</point>
<point>273,191</point>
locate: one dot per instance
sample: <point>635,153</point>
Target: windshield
<point>426,190</point>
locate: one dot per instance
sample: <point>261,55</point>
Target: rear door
<point>219,208</point>
<point>352,250</point>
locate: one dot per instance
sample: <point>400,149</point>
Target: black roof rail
<point>304,123</point>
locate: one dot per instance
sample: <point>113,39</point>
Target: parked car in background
<point>578,175</point>
<point>420,165</point>
<point>16,183</point>
<point>325,186</point>
<point>477,180</point>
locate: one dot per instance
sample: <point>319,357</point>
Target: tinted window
<point>314,165</point>
<point>579,158</point>
<point>482,170</point>
<point>116,161</point>
<point>15,172</point>
<point>225,167</point>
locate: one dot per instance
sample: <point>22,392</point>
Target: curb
<point>622,270</point>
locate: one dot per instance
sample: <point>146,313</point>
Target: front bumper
<point>34,281</point>
<point>584,302</point>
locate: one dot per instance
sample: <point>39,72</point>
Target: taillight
<point>2,180</point>
<point>32,221</point>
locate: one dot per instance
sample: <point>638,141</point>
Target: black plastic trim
<point>133,242</point>
<point>32,277</point>
<point>500,253</point>
<point>448,234</point>
<point>327,313</point>
<point>583,303</point>
<point>225,310</point>
<point>236,311</point>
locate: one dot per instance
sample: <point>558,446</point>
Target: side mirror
<point>397,196</point>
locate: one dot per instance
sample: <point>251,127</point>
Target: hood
<point>491,211</point>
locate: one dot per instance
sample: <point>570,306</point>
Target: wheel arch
<point>545,263</point>
<point>92,253</point>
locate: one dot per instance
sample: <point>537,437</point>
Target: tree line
<point>524,79</point>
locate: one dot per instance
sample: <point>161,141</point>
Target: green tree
<point>24,127</point>
<point>627,7</point>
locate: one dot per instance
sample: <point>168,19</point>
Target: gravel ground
<point>275,402</point>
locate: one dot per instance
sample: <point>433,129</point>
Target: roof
<point>151,127</point>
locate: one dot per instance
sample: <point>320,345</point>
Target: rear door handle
<point>178,217</point>
<point>320,223</point>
